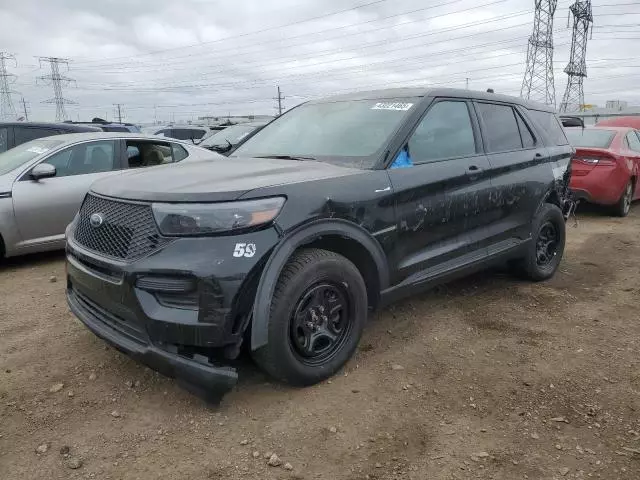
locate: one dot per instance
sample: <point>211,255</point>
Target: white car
<point>43,182</point>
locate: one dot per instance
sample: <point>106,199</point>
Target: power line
<point>57,81</point>
<point>7,110</point>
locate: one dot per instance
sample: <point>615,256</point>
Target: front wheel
<point>545,251</point>
<point>318,312</point>
<point>622,208</point>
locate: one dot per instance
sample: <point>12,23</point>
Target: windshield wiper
<point>287,157</point>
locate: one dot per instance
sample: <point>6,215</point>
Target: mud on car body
<point>332,210</point>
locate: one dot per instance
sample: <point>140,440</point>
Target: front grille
<point>128,329</point>
<point>128,230</point>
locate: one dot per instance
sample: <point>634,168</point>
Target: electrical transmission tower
<point>57,81</point>
<point>573,98</point>
<point>7,110</point>
<point>538,83</point>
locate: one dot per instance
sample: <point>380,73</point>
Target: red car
<point>605,167</point>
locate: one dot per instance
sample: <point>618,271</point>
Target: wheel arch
<point>340,236</point>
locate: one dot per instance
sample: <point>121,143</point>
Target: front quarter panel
<point>8,228</point>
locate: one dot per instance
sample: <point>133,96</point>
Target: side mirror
<point>42,170</point>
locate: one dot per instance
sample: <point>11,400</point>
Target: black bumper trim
<point>209,381</point>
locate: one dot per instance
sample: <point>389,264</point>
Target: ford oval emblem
<point>96,220</point>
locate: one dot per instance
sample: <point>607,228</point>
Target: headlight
<point>208,218</point>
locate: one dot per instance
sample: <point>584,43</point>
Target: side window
<point>634,141</point>
<point>444,132</point>
<point>179,152</point>
<point>550,124</point>
<point>84,158</point>
<point>4,139</point>
<point>26,134</point>
<point>525,134</point>
<point>141,153</point>
<point>500,127</point>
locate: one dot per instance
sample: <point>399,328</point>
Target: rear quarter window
<point>548,122</point>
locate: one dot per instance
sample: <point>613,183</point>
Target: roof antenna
<point>490,90</point>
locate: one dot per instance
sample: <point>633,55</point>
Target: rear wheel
<point>318,312</point>
<point>622,208</point>
<point>545,252</point>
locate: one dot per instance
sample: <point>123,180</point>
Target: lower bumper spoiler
<point>199,377</point>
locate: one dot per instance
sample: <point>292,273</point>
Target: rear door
<point>633,139</point>
<point>436,196</point>
<point>44,208</point>
<point>518,162</point>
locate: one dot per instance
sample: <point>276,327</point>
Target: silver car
<point>43,182</point>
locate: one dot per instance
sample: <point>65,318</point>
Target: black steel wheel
<point>546,244</point>
<point>318,311</point>
<point>544,252</point>
<point>320,323</point>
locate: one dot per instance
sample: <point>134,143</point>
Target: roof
<point>393,93</point>
<point>66,126</point>
<point>100,135</point>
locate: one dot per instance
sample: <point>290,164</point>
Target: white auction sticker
<point>399,106</point>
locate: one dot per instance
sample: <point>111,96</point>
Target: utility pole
<point>467,83</point>
<point>538,83</point>
<point>119,112</point>
<point>7,110</point>
<point>573,98</point>
<point>279,98</point>
<point>57,80</point>
<point>24,107</point>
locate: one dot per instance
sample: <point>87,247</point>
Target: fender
<point>284,250</point>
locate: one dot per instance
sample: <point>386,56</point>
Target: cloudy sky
<point>165,59</point>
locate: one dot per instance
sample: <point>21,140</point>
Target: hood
<point>213,181</point>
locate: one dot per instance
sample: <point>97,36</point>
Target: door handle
<point>474,169</point>
<point>538,155</point>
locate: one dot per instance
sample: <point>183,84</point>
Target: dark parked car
<point>335,208</point>
<point>13,134</point>
<point>106,126</point>
<point>225,141</point>
<point>186,133</point>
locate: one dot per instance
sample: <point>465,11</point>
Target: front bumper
<point>120,302</point>
<point>213,381</point>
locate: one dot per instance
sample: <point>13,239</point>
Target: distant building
<point>232,119</point>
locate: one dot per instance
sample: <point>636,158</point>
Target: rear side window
<point>550,124</point>
<point>634,141</point>
<point>179,152</point>
<point>500,127</point>
<point>115,129</point>
<point>527,137</point>
<point>4,139</point>
<point>188,134</point>
<point>26,134</point>
<point>444,132</point>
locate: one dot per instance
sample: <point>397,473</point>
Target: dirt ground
<point>488,377</point>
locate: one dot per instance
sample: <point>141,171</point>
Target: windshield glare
<point>233,135</point>
<point>14,158</point>
<point>351,130</point>
<point>590,137</point>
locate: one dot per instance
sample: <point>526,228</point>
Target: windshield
<point>349,131</point>
<point>14,158</point>
<point>233,135</point>
<point>590,137</point>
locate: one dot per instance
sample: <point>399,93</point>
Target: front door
<point>438,193</point>
<point>44,208</point>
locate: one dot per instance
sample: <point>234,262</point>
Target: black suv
<point>13,134</point>
<point>335,208</point>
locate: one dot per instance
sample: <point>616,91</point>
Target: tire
<point>313,277</point>
<point>536,266</point>
<point>622,208</point>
